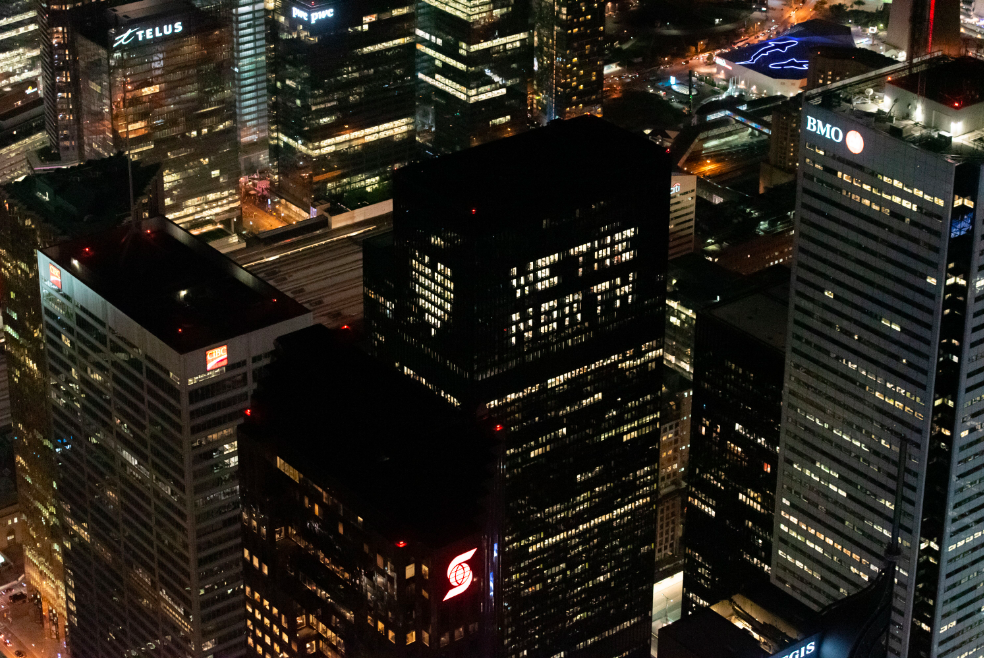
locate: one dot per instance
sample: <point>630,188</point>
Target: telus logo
<point>827,130</point>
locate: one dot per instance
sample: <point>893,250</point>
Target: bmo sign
<point>855,142</point>
<point>827,130</point>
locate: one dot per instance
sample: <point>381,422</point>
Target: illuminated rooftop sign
<point>216,358</point>
<point>805,648</point>
<point>148,33</point>
<point>54,276</point>
<point>459,574</point>
<point>311,17</point>
<point>827,130</point>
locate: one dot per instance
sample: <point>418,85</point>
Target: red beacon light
<point>346,327</point>
<point>498,428</point>
<point>249,412</point>
<point>474,211</point>
<point>401,544</point>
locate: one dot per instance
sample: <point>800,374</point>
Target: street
<point>23,636</point>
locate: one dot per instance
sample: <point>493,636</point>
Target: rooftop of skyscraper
<point>349,423</point>
<point>74,199</point>
<point>536,170</point>
<point>932,103</point>
<point>181,290</point>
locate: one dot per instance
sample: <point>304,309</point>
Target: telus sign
<point>148,33</point>
<point>855,143</point>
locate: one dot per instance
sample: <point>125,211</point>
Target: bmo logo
<point>855,142</point>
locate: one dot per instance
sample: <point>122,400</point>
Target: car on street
<point>19,653</point>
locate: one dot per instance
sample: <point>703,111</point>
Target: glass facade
<point>20,51</point>
<point>57,78</point>
<point>738,375</point>
<point>568,58</point>
<point>473,72</point>
<point>170,101</point>
<point>342,98</point>
<point>547,315</point>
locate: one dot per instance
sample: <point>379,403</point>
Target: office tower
<point>158,86</point>
<point>739,358</point>
<point>361,519</point>
<point>921,27</point>
<point>474,62</point>
<point>58,78</point>
<point>683,205</point>
<point>20,51</point>
<point>36,212</point>
<point>693,284</point>
<point>154,341</point>
<point>248,21</point>
<point>541,301</point>
<point>343,100</point>
<point>674,450</point>
<point>882,353</point>
<point>568,59</point>
<point>21,128</point>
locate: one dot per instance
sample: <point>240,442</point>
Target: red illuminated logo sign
<point>459,574</point>
<point>217,358</point>
<point>54,276</point>
<point>854,141</point>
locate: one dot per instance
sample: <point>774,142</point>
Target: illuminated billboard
<point>148,33</point>
<point>460,574</point>
<point>217,358</point>
<point>54,276</point>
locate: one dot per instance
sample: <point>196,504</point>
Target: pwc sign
<point>855,142</point>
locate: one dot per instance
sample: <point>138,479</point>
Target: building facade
<point>20,48</point>
<point>37,212</point>
<point>343,99</point>
<point>404,543</point>
<point>154,341</point>
<point>738,374</point>
<point>543,304</point>
<point>881,355</point>
<point>159,86</point>
<point>473,68</point>
<point>683,206</point>
<point>568,59</point>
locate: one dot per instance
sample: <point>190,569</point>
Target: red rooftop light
<point>345,326</point>
<point>498,428</point>
<point>401,544</point>
<point>474,211</point>
<point>249,412</point>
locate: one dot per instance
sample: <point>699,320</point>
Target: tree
<point>820,6</point>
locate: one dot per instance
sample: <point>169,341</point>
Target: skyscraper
<point>568,58</point>
<point>37,212</point>
<point>154,342</point>
<point>20,49</point>
<point>159,86</point>
<point>921,27</point>
<point>343,99</point>
<point>737,406</point>
<point>882,353</point>
<point>541,303</point>
<point>401,540</point>
<point>473,72</point>
<point>58,77</point>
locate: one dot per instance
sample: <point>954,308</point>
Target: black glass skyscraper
<point>534,293</point>
<point>739,359</point>
<point>474,63</point>
<point>342,97</point>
